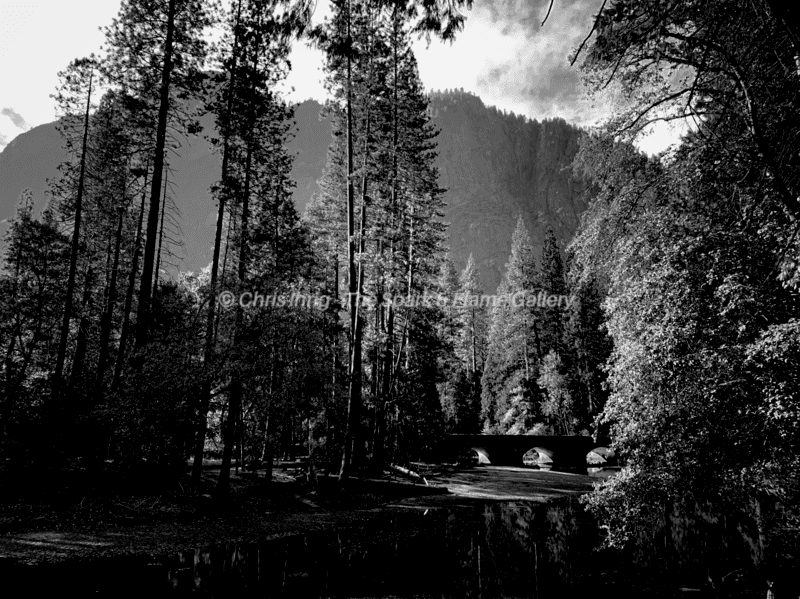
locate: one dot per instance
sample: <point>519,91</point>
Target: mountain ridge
<point>494,165</point>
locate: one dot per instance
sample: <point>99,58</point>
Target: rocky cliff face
<point>495,166</point>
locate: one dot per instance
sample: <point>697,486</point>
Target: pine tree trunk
<point>354,423</point>
<point>378,373</point>
<point>211,315</point>
<point>355,400</point>
<point>235,394</point>
<point>410,281</point>
<point>224,269</point>
<point>58,375</point>
<point>352,284</point>
<point>332,436</point>
<point>387,375</point>
<point>126,317</point>
<point>160,235</point>
<point>108,312</point>
<point>146,286</point>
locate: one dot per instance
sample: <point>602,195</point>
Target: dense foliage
<point>698,254</point>
<point>107,362</point>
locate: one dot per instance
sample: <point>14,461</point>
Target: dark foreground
<point>477,532</point>
<point>63,528</point>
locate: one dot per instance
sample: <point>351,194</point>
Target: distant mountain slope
<point>196,168</point>
<point>28,161</point>
<point>495,166</point>
<point>33,157</point>
<point>314,135</point>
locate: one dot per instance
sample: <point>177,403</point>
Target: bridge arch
<point>564,452</point>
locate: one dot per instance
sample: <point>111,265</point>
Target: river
<point>501,532</point>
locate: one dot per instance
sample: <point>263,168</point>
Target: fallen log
<point>406,472</point>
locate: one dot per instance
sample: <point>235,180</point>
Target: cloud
<point>506,57</point>
<point>503,55</point>
<point>10,128</point>
<point>15,117</point>
<point>534,71</point>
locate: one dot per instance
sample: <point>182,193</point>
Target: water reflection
<point>479,550</point>
<point>470,549</point>
<point>499,549</point>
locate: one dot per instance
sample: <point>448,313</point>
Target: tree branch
<point>586,39</point>
<point>549,8</point>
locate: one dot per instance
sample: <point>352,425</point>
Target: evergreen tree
<point>493,382</point>
<point>111,217</point>
<point>79,74</point>
<point>471,314</point>
<point>514,345</point>
<point>255,184</point>
<point>156,51</point>
<point>388,233</point>
<point>456,388</point>
<point>553,283</point>
<point>35,269</point>
<point>557,405</point>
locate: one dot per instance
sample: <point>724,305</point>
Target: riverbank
<point>88,528</point>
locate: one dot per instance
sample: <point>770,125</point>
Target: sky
<point>503,55</point>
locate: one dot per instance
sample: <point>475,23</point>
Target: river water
<point>446,546</point>
<point>479,550</point>
<point>474,549</point>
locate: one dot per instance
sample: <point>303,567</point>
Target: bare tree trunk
<point>108,312</point>
<point>410,282</point>
<point>235,394</point>
<point>354,416</point>
<point>387,376</point>
<point>378,369</point>
<point>146,287</point>
<point>211,316</point>
<point>126,317</point>
<point>160,235</point>
<point>352,284</point>
<point>58,375</point>
<point>331,438</point>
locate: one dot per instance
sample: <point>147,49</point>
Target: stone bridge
<point>566,453</point>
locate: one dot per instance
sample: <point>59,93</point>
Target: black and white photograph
<point>420,299</point>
